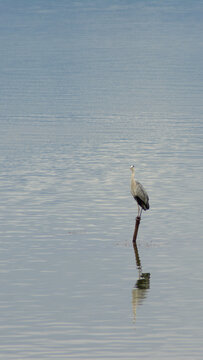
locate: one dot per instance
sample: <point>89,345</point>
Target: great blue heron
<point>139,193</point>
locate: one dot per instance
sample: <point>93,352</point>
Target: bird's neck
<point>133,177</point>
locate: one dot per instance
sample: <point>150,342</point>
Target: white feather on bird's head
<point>132,168</point>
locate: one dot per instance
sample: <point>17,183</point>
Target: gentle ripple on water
<point>87,90</point>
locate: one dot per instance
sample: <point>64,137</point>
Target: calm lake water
<point>88,89</point>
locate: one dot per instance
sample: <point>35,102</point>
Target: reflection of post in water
<point>139,292</point>
<point>143,281</point>
<point>137,258</point>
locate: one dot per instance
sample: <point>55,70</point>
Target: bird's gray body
<point>138,192</point>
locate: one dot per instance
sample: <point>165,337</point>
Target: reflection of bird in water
<point>139,193</point>
<point>139,293</point>
<point>138,297</point>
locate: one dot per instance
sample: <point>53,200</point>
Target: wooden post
<point>138,218</point>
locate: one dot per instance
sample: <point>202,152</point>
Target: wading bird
<point>139,193</point>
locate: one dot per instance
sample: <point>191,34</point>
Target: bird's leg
<point>138,214</point>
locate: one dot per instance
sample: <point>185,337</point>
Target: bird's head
<point>132,168</point>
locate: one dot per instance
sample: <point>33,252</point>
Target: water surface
<point>87,89</point>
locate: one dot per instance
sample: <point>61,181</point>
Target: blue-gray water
<point>87,89</point>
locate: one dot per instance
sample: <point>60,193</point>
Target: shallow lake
<point>88,89</point>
